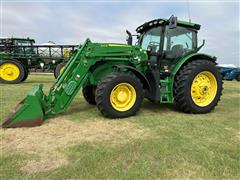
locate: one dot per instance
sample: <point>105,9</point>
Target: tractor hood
<point>112,50</point>
<point>115,45</point>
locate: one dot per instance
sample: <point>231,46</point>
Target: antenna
<point>188,8</point>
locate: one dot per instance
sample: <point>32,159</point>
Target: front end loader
<point>164,67</point>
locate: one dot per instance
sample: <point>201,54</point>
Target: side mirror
<point>172,22</point>
<point>129,38</point>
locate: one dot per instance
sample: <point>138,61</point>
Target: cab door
<point>152,41</point>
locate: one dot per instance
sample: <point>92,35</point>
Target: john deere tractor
<point>164,66</point>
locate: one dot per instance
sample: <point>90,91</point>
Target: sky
<point>71,22</point>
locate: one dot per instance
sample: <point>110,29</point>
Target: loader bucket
<point>29,112</point>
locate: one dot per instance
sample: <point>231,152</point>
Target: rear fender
<point>184,60</point>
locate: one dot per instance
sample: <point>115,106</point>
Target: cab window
<point>20,46</point>
<point>151,39</point>
<point>23,43</point>
<point>179,41</point>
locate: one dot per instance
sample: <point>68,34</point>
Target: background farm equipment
<point>164,67</point>
<point>19,56</point>
<point>230,73</point>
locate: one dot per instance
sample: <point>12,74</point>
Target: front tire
<point>119,95</point>
<point>198,87</point>
<point>11,72</point>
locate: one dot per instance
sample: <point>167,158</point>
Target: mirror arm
<point>129,39</point>
<point>200,47</point>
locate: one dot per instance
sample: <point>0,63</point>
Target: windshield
<point>24,46</point>
<point>151,39</point>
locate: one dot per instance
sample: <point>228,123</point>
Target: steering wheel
<point>153,46</point>
<point>153,43</point>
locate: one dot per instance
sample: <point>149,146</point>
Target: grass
<point>159,142</point>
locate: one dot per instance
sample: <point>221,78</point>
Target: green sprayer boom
<point>164,66</point>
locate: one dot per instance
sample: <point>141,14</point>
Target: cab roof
<point>15,38</point>
<point>159,22</point>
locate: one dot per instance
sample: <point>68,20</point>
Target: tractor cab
<point>167,40</point>
<point>16,42</point>
<point>17,45</point>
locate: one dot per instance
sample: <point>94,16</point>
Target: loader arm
<point>69,82</point>
<point>37,106</point>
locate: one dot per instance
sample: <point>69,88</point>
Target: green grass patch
<point>179,146</point>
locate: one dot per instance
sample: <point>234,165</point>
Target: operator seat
<point>177,51</point>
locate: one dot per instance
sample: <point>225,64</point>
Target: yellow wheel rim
<point>9,72</point>
<point>204,88</point>
<point>61,70</point>
<point>123,97</point>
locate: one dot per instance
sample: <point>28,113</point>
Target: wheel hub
<point>204,90</point>
<point>9,71</point>
<point>123,97</point>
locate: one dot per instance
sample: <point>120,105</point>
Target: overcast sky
<point>72,22</point>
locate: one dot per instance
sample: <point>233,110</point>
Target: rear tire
<point>58,69</point>
<point>198,87</point>
<point>11,72</point>
<point>89,94</point>
<point>119,95</point>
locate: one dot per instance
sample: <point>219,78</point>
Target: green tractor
<point>164,66</point>
<point>19,56</point>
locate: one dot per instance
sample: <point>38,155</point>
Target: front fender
<point>139,74</point>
